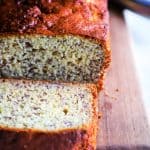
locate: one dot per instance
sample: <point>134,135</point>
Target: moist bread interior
<point>24,104</point>
<point>65,58</point>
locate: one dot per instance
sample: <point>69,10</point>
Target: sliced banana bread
<point>65,58</point>
<point>54,40</point>
<point>37,115</point>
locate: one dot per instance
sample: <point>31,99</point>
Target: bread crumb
<point>117,90</point>
<point>65,111</point>
<point>99,115</point>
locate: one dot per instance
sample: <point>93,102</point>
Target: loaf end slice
<point>39,115</point>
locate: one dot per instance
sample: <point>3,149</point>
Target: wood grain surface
<point>124,124</point>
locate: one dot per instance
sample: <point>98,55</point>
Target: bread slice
<point>61,58</point>
<point>40,115</point>
<point>65,41</point>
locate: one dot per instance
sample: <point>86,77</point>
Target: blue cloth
<point>144,2</point>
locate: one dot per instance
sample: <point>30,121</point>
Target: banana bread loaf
<point>54,40</point>
<point>37,115</point>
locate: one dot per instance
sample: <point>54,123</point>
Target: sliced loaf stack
<point>53,55</point>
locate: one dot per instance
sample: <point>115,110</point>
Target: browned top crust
<point>80,17</point>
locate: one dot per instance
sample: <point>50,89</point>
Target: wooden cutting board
<point>124,124</point>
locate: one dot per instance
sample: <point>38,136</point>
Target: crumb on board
<point>117,90</point>
<point>99,115</point>
<point>109,95</point>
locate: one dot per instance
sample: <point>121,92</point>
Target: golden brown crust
<point>81,138</point>
<point>78,17</point>
<point>106,64</point>
<point>66,140</point>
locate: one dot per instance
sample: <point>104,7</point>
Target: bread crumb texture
<point>56,58</point>
<point>44,106</point>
